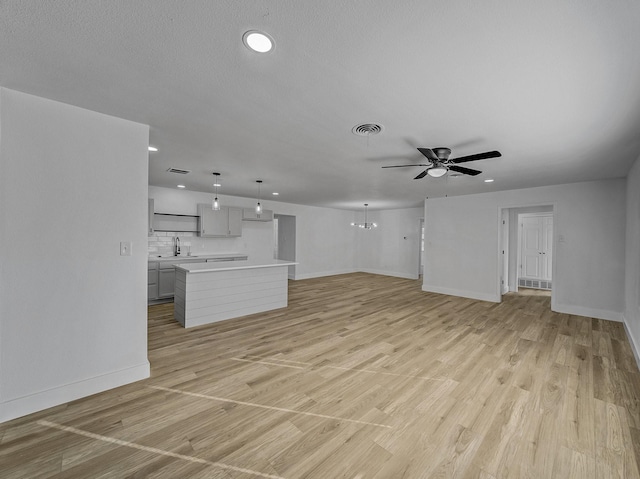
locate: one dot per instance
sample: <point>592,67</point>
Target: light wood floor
<point>363,376</point>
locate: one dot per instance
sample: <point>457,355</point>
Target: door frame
<point>288,221</point>
<point>420,248</point>
<point>503,251</point>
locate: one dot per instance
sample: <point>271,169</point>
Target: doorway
<point>512,271</point>
<point>284,240</point>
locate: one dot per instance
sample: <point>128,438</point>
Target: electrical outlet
<point>125,248</point>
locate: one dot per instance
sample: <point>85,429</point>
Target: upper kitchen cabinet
<point>169,221</point>
<point>249,214</point>
<point>225,222</point>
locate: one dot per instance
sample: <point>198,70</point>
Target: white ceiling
<point>553,84</point>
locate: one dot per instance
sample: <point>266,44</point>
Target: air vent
<point>367,129</point>
<point>534,283</point>
<point>179,171</point>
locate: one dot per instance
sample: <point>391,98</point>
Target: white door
<point>536,247</point>
<point>531,263</point>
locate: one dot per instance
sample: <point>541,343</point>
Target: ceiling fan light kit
<point>437,171</point>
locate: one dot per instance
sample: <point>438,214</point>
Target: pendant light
<point>259,206</point>
<point>215,204</point>
<point>366,225</point>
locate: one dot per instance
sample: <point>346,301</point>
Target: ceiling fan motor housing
<point>442,153</point>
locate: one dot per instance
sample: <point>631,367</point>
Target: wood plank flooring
<point>362,376</point>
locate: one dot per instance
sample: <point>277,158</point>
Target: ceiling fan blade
<point>403,166</point>
<point>428,153</point>
<point>422,175</point>
<point>478,156</point>
<point>464,171</point>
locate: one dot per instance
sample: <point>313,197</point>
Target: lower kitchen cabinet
<point>166,282</point>
<point>152,280</point>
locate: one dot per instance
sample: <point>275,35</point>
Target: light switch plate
<point>125,248</point>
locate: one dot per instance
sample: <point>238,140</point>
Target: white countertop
<point>229,266</point>
<point>196,257</point>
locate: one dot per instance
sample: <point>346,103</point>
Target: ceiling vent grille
<point>367,129</point>
<point>178,171</point>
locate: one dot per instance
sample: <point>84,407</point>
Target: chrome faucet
<point>176,250</point>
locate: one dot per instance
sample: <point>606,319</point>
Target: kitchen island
<point>210,292</point>
<point>162,275</point>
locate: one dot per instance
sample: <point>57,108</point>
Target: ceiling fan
<point>440,163</point>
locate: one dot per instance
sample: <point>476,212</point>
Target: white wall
<point>461,235</point>
<point>325,241</point>
<point>393,248</point>
<point>73,185</point>
<point>632,272</point>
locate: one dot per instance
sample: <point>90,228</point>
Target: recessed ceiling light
<point>153,149</point>
<point>217,184</point>
<point>258,41</point>
<point>275,193</point>
<point>181,186</point>
<point>489,180</point>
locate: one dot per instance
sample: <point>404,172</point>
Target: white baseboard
<point>324,273</point>
<point>348,271</point>
<point>588,312</point>
<point>494,298</point>
<point>632,342</point>
<point>70,392</point>
<point>390,273</point>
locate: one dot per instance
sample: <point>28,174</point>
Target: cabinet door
<point>152,280</point>
<point>213,223</point>
<point>235,221</point>
<point>166,282</point>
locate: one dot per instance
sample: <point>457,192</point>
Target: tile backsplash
<point>162,242</point>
